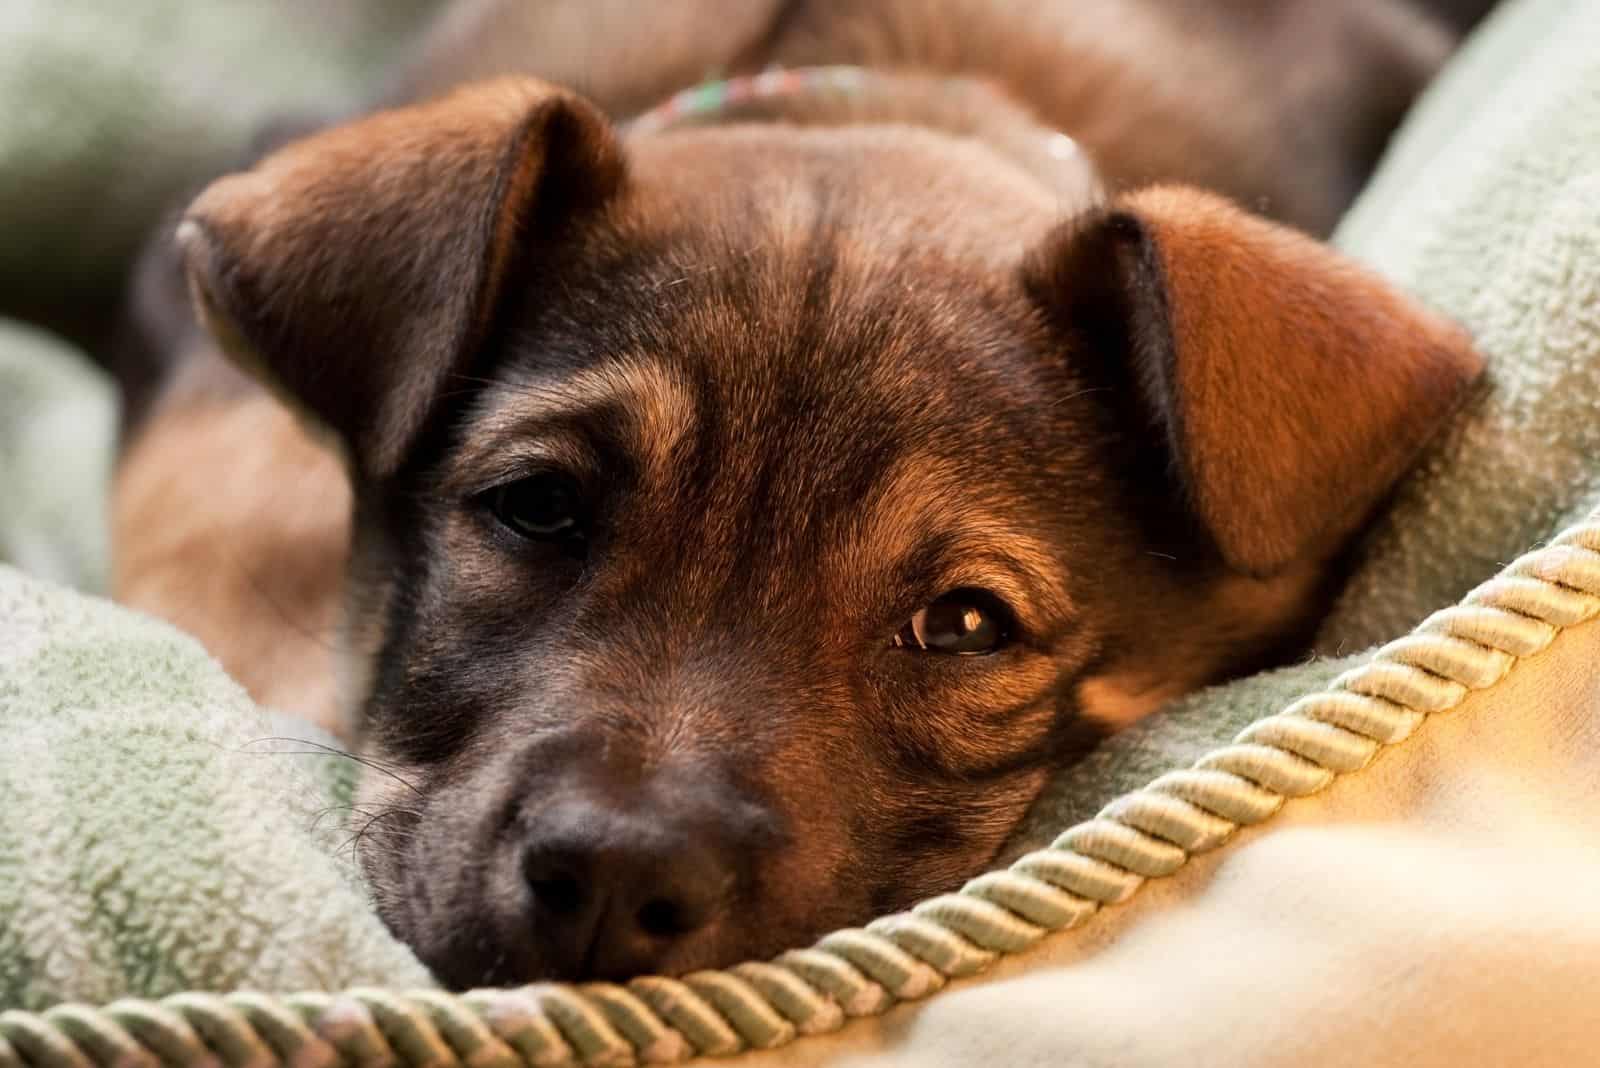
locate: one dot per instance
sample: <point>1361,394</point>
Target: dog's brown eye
<point>542,507</point>
<point>965,622</point>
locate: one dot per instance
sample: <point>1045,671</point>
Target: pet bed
<point>1380,857</point>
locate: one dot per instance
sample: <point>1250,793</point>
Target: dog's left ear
<point>356,270</point>
<point>1288,387</point>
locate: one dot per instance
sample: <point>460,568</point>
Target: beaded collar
<point>711,98</point>
<point>1052,156</point>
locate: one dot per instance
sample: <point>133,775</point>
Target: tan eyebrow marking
<point>658,406</point>
<point>920,494</point>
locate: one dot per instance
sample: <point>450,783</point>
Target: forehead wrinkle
<point>924,497</point>
<point>657,406</point>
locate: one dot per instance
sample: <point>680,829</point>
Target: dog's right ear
<point>355,271</point>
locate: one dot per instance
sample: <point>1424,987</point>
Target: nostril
<point>558,881</point>
<point>612,890</point>
<point>661,918</point>
<point>559,892</point>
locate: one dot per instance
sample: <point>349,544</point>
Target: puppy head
<point>748,519</point>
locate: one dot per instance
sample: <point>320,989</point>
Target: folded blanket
<point>1486,209</point>
<point>56,429</point>
<point>159,833</point>
<point>150,837</point>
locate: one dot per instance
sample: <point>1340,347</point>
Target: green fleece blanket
<point>154,839</point>
<point>108,109</point>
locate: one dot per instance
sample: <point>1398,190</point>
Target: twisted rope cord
<point>1143,835</point>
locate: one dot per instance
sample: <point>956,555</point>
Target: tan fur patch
<point>920,494</point>
<point>659,414</point>
<point>231,523</point>
<point>1240,613</point>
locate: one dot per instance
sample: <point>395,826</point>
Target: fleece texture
<point>148,842</point>
<point>159,833</point>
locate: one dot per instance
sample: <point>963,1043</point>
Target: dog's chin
<point>448,920</point>
<point>450,879</point>
<point>470,934</point>
<point>474,946</point>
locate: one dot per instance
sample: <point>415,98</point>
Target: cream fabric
<point>1441,908</point>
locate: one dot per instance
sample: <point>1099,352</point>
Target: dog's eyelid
<point>485,471</point>
<point>1032,599</point>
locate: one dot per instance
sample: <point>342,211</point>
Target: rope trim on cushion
<point>862,972</point>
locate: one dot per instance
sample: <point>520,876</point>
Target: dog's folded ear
<point>354,271</point>
<point>1287,387</point>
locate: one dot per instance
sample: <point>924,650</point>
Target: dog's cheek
<point>383,824</point>
<point>447,675</point>
<point>435,875</point>
<point>938,836</point>
<point>947,764</point>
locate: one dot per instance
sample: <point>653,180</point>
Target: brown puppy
<point>748,518</point>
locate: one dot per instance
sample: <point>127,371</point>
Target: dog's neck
<point>849,95</point>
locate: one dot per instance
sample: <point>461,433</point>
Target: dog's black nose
<point>615,890</point>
